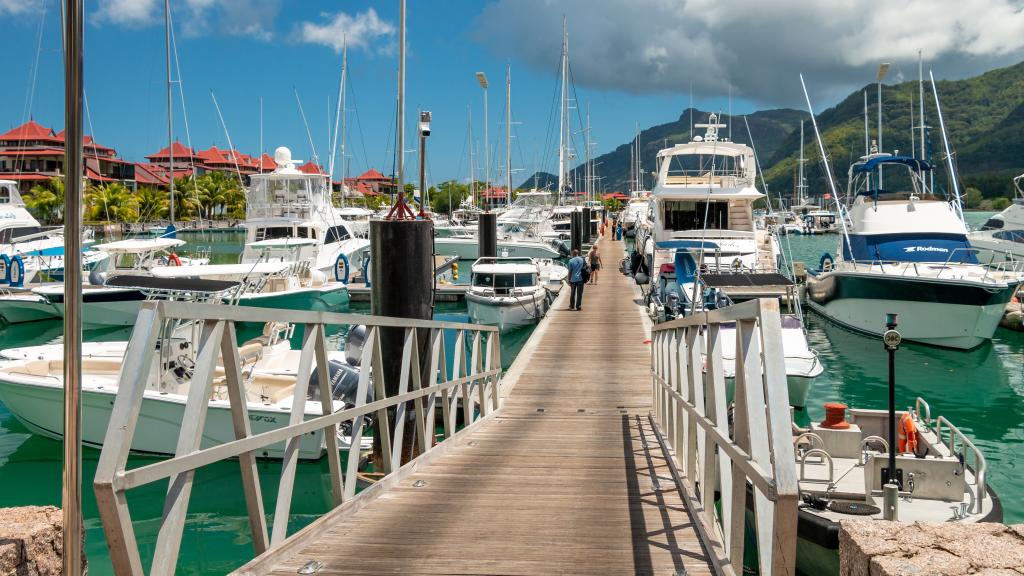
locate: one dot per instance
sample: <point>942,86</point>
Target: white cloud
<point>128,13</point>
<point>360,30</point>
<point>18,6</point>
<point>757,47</point>
<point>250,18</point>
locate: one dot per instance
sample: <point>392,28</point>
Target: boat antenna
<point>945,144</point>
<point>224,126</point>
<point>309,135</point>
<point>883,69</point>
<point>827,164</point>
<point>867,144</point>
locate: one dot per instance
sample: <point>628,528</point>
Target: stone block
<point>31,541</point>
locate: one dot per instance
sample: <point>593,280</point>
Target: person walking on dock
<point>594,257</point>
<point>576,266</point>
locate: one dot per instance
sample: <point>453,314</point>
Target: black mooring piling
<point>576,231</point>
<point>487,234</point>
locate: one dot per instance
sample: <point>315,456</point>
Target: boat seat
<point>271,388</point>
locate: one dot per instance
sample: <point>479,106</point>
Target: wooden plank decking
<point>567,478</point>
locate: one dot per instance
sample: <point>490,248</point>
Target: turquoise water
<point>216,538</point>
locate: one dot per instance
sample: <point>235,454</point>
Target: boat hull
<point>507,313</point>
<point>950,315</point>
<point>20,310</point>
<point>37,406</point>
<point>330,298</point>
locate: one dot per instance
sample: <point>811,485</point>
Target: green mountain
<point>984,118</point>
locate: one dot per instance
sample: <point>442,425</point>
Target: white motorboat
<point>1001,237</point>
<point>290,204</point>
<point>514,241</point>
<point>812,218</point>
<point>32,388</point>
<point>705,252</point>
<point>511,292</point>
<point>907,253</point>
<point>358,219</point>
<point>841,463</point>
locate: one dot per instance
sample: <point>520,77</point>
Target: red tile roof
<point>89,144</point>
<point>31,130</point>
<point>156,174</point>
<point>213,156</point>
<point>94,175</point>
<point>180,151</point>
<point>24,176</point>
<point>311,168</point>
<point>265,162</point>
<point>494,193</point>
<point>372,174</point>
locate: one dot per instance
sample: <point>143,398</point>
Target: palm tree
<point>112,202</point>
<point>152,203</point>
<point>46,201</point>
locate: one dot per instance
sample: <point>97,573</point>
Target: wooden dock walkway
<point>567,478</point>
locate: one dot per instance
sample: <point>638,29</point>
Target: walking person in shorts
<point>595,263</point>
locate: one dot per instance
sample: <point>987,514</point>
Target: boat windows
<point>5,195</point>
<point>336,234</point>
<point>274,232</point>
<point>1011,235</point>
<point>525,280</point>
<point>994,224</point>
<point>485,280</point>
<point>703,168</point>
<point>689,215</point>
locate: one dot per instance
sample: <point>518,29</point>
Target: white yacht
<point>511,292</point>
<point>812,218</point>
<point>288,203</point>
<point>32,388</point>
<point>1001,237</point>
<point>704,251</point>
<point>906,252</point>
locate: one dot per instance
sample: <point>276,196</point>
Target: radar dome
<point>282,156</point>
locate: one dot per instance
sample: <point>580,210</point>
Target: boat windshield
<point>504,281</point>
<point>682,215</point>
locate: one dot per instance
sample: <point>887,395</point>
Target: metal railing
<point>724,447</point>
<point>476,387</point>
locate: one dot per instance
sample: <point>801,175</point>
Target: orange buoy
<point>835,416</point>
<point>907,435</point>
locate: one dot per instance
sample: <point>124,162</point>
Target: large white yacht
<point>289,204</point>
<point>906,252</point>
<point>704,251</point>
<point>1001,237</point>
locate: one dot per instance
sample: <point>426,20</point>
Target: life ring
<point>826,263</point>
<point>16,272</point>
<point>5,269</point>
<point>173,259</point>
<point>907,435</point>
<point>341,269</point>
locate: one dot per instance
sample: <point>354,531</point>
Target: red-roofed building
<point>32,153</point>
<point>264,163</point>
<point>182,155</point>
<point>312,168</point>
<point>369,183</point>
<point>495,196</point>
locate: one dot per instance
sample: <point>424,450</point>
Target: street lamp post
<point>482,79</point>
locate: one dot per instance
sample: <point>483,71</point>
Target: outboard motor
<point>344,383</point>
<point>354,345</point>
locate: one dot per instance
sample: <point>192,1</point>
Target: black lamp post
<point>891,339</point>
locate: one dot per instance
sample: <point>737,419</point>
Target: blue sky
<point>633,61</point>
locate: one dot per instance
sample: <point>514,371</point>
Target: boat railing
<point>723,449</point>
<point>450,383</point>
<point>949,435</point>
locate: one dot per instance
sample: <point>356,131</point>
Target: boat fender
<point>344,380</point>
<point>341,269</point>
<point>826,263</point>
<point>173,259</point>
<point>641,278</point>
<point>97,278</point>
<point>354,343</point>
<point>366,271</point>
<point>5,269</point>
<point>907,435</point>
<point>455,271</point>
<point>16,272</point>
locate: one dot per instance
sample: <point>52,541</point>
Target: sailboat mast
<point>562,112</point>
<point>639,161</point>
<point>472,167</point>
<point>867,145</point>
<point>344,80</point>
<point>170,106</point>
<point>800,186</point>
<point>400,132</point>
<point>508,136</point>
<point>920,97</point>
<point>588,183</point>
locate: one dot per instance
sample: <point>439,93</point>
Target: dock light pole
<point>424,132</point>
<point>882,71</point>
<point>891,340</point>
<point>71,498</point>
<point>482,79</point>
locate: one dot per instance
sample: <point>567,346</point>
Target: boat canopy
<point>903,247</point>
<point>171,284</point>
<point>139,245</point>
<point>873,163</point>
<point>220,270</point>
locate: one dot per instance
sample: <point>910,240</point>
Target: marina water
<point>982,390</point>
